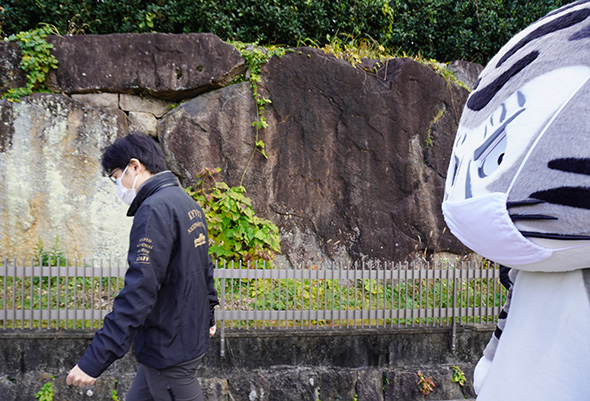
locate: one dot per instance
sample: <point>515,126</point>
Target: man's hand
<point>77,377</point>
<point>212,330</point>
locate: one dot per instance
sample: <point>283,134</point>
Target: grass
<point>410,299</point>
<point>67,294</point>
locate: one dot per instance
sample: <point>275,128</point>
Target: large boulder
<point>51,182</point>
<point>212,130</point>
<point>168,66</point>
<point>356,159</point>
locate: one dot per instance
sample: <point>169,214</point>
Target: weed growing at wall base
<point>458,376</point>
<point>46,392</point>
<point>425,384</point>
<point>52,257</point>
<point>114,394</point>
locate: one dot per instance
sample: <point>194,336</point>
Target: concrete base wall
<point>375,365</point>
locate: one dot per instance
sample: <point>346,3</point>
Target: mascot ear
<point>518,185</point>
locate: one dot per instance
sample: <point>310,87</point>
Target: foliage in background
<point>350,48</point>
<point>234,229</point>
<point>36,60</point>
<point>444,30</point>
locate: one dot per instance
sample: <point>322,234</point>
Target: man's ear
<point>136,165</point>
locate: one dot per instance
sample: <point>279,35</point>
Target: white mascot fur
<point>518,193</point>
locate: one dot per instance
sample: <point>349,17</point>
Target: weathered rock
<point>168,66</point>
<point>466,72</point>
<point>290,384</point>
<point>214,388</point>
<point>335,383</point>
<point>11,75</point>
<point>51,186</point>
<point>249,387</point>
<point>8,387</point>
<point>200,132</point>
<point>108,100</point>
<point>400,385</point>
<point>356,159</point>
<point>144,104</point>
<point>6,126</point>
<point>142,122</point>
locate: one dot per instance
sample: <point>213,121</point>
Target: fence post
<point>454,326</point>
<point>222,307</point>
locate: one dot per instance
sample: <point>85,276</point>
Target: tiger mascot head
<point>518,185</point>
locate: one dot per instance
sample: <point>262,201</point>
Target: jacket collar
<point>150,186</point>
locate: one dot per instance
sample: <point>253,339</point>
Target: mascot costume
<point>518,193</point>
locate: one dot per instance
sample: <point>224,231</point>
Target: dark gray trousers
<point>176,383</point>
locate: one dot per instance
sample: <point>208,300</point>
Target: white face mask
<point>125,194</point>
<point>483,224</point>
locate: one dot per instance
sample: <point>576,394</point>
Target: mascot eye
<point>491,159</point>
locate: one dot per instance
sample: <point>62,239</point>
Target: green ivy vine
<point>36,60</point>
<point>234,229</point>
<point>255,57</point>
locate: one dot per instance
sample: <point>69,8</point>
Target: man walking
<point>166,306</point>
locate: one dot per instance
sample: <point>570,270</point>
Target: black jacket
<point>166,306</point>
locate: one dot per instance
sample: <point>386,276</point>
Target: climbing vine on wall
<point>255,57</point>
<point>36,60</point>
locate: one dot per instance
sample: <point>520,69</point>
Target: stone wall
<point>357,155</point>
<point>310,365</point>
<point>51,183</point>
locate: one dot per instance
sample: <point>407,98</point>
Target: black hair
<point>138,146</point>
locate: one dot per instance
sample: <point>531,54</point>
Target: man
<point>166,306</point>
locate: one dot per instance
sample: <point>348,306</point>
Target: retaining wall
<point>363,365</point>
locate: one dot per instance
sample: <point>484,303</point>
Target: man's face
<point>124,174</point>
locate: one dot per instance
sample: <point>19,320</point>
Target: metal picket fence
<point>71,296</point>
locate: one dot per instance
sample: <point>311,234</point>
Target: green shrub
<point>235,231</point>
<point>445,30</point>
